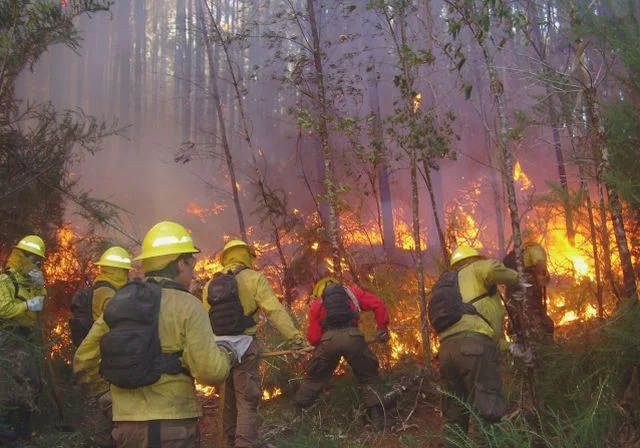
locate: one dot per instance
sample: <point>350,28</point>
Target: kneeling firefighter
<point>152,341</point>
<point>333,330</point>
<point>87,305</point>
<point>467,312</point>
<point>22,295</point>
<point>233,298</point>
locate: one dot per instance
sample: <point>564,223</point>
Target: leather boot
<point>375,416</point>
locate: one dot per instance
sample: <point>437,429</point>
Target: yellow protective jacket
<point>475,279</point>
<point>183,326</point>
<point>256,293</point>
<point>13,304</point>
<point>102,295</point>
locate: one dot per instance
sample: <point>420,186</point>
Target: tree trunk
<point>384,189</point>
<point>329,178</point>
<point>223,130</point>
<point>140,58</point>
<point>434,206</point>
<point>422,296</point>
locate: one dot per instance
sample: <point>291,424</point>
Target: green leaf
<point>467,91</point>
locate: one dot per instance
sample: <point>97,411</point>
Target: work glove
<point>35,304</point>
<point>297,345</point>
<point>382,335</point>
<point>227,347</point>
<point>37,278</point>
<point>518,352</point>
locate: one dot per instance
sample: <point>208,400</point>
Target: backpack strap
<point>488,293</point>
<point>103,284</point>
<point>235,272</point>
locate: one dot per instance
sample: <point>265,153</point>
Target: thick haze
<point>143,66</point>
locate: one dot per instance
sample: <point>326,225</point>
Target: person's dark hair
<point>170,270</point>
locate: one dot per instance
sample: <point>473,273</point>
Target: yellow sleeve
<point>101,297</point>
<point>274,310</point>
<point>497,273</point>
<point>86,361</point>
<point>10,305</point>
<point>205,295</point>
<point>206,362</point>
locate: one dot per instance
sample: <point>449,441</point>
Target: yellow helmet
<point>237,243</point>
<point>318,289</point>
<point>32,244</point>
<point>167,238</point>
<point>462,253</point>
<point>116,257</point>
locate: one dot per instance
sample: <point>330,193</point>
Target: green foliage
<point>39,145</point>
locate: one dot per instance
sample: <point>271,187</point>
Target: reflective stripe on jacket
<point>183,326</point>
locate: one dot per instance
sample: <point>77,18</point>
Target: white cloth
<point>240,343</point>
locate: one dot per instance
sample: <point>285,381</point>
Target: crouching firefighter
<point>333,330</point>
<point>22,296</point>
<point>152,341</point>
<point>87,305</point>
<point>466,311</point>
<point>233,298</point>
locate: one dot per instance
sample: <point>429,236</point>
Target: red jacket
<point>367,301</point>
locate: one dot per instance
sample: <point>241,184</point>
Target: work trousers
<point>334,344</point>
<point>182,433</point>
<point>103,421</point>
<point>470,373</point>
<point>240,419</point>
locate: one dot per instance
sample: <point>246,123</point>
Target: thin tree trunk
<point>329,181</point>
<point>140,57</point>
<point>434,206</point>
<point>385,212</point>
<point>260,180</point>
<point>223,130</point>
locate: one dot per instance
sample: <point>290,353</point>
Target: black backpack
<point>337,304</point>
<point>82,310</point>
<point>226,313</point>
<point>446,306</point>
<point>131,354</point>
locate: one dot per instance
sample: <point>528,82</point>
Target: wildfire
<point>202,213</point>
<point>60,336</point>
<point>62,265</point>
<point>417,100</point>
<point>520,177</point>
<point>399,349</point>
<point>206,391</point>
<point>271,394</point>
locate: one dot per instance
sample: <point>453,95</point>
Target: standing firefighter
<point>152,341</point>
<point>21,297</point>
<point>87,306</point>
<point>233,298</point>
<point>333,330</point>
<point>467,312</point>
<point>537,275</point>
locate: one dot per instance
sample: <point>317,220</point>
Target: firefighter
<point>242,394</point>
<point>151,361</point>
<point>469,359</point>
<point>115,264</point>
<point>333,330</point>
<point>536,275</point>
<point>22,296</point>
